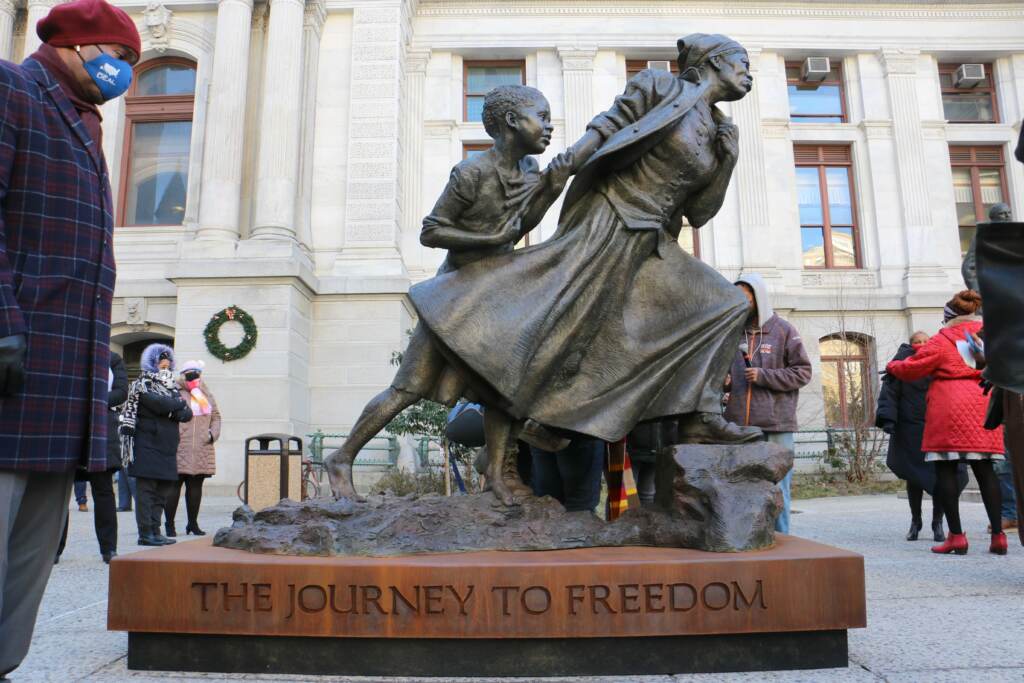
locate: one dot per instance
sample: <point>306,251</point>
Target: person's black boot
<point>937,532</point>
<point>915,529</point>
<point>194,529</point>
<point>171,531</point>
<point>107,557</point>
<point>712,428</point>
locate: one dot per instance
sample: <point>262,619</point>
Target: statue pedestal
<point>610,611</point>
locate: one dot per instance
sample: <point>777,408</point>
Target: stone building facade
<point>279,156</point>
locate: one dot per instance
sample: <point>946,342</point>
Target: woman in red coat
<point>954,420</point>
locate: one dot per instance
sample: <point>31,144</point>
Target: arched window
<point>157,138</point>
<point>845,381</point>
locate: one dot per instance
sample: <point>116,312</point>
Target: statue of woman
<point>610,323</point>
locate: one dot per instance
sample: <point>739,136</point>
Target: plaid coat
<point>56,275</point>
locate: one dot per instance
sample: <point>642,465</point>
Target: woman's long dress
<point>606,324</point>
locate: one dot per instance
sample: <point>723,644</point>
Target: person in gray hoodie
<point>770,368</point>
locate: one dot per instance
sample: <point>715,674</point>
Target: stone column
<point>412,140</point>
<point>225,131</point>
<point>37,9</point>
<point>280,123</point>
<point>751,177</point>
<point>578,85</point>
<point>7,14</point>
<point>313,24</point>
<point>371,242</point>
<point>923,245</point>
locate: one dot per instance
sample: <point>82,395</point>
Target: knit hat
<point>196,365</point>
<point>89,22</point>
<point>966,302</point>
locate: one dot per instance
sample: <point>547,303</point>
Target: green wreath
<point>212,334</point>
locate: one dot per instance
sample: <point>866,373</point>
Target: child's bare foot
<point>499,488</point>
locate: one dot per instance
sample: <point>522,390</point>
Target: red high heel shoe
<point>955,543</point>
<point>998,545</point>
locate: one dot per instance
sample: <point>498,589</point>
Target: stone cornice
<point>838,10</point>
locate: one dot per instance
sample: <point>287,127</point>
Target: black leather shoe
<point>171,531</point>
<point>915,529</point>
<point>127,509</point>
<point>712,428</point>
<point>150,540</point>
<point>107,557</point>
<point>937,532</point>
<point>163,540</point>
<point>194,529</point>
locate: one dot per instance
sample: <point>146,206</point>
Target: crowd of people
<point>160,439</point>
<point>952,434</point>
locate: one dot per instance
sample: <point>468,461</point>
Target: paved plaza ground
<point>930,618</point>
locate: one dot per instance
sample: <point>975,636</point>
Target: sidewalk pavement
<point>930,618</point>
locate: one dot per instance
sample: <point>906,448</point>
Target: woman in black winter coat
<point>149,436</point>
<point>900,414</point>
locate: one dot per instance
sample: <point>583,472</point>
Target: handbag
<point>466,425</point>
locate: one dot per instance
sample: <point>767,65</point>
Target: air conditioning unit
<point>969,75</point>
<point>815,69</point>
<point>660,64</point>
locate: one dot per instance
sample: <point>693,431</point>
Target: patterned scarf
<point>621,484</point>
<point>200,404</point>
<point>159,383</point>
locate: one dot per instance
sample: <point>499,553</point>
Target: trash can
<point>273,469</point>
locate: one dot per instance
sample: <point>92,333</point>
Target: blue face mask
<point>111,75</point>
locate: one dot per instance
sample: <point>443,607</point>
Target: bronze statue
<point>491,201</point>
<point>609,323</point>
<point>999,213</point>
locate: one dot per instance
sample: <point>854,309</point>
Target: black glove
<point>12,364</point>
<point>888,427</point>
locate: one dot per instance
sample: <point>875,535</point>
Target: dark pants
<point>104,510</point>
<point>572,476</point>
<point>104,515</point>
<point>80,496</point>
<point>1004,470</point>
<point>125,490</point>
<point>643,474</point>
<point>150,497</point>
<point>193,497</point>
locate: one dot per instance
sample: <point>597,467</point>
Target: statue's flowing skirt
<point>592,331</point>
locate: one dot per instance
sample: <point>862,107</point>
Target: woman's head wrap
<point>697,48</point>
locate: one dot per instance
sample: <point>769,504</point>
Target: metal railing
<point>382,451</point>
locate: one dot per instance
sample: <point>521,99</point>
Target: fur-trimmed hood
<point>151,357</point>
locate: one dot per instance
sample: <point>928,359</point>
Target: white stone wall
<point>324,131</point>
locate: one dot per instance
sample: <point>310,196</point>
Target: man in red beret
<point>56,289</point>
